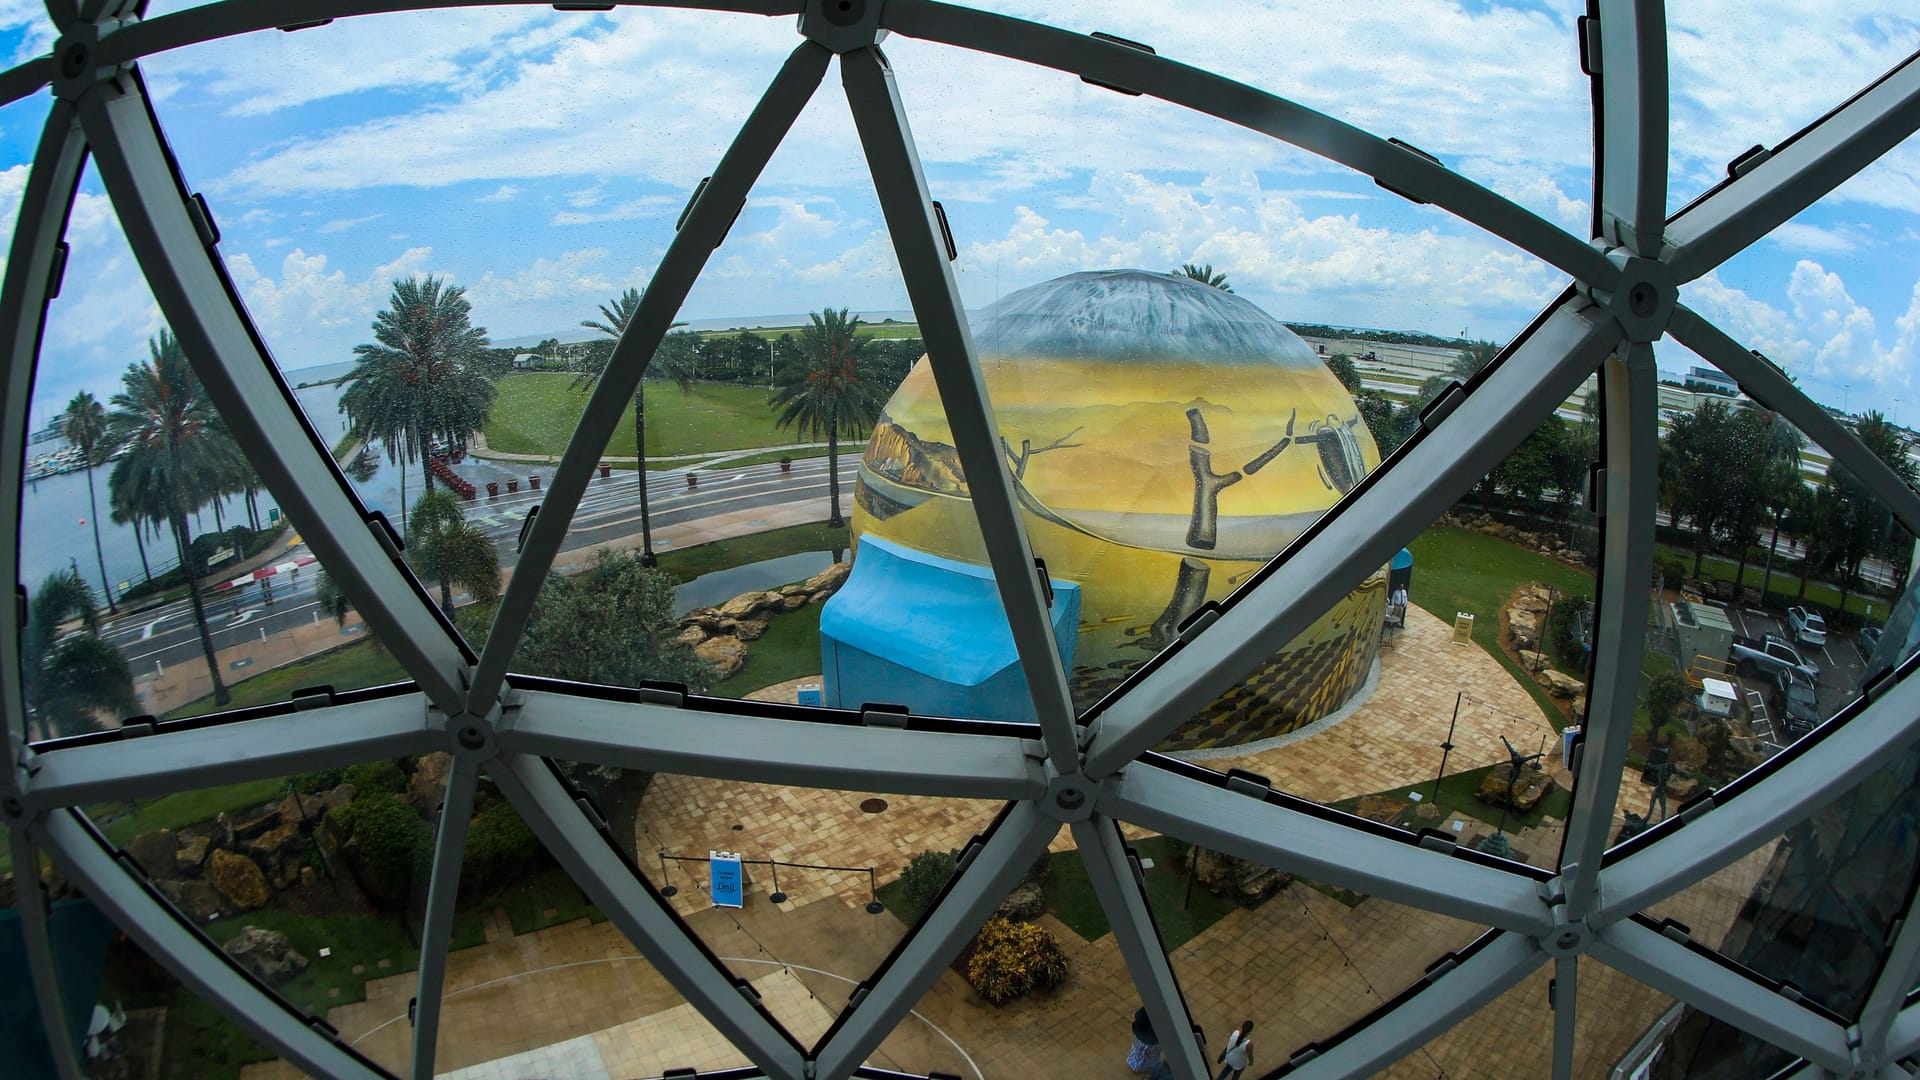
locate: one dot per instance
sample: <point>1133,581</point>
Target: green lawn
<point>349,667</point>
<point>1457,570</point>
<point>353,939</point>
<point>1181,914</point>
<point>1783,589</point>
<point>536,412</point>
<point>688,563</point>
<point>1456,795</point>
<point>789,649</point>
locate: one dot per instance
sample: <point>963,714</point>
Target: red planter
<point>606,471</point>
<point>693,480</point>
<point>493,489</point>
<point>533,482</point>
<point>513,485</point>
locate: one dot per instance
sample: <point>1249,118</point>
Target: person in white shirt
<point>1238,1055</point>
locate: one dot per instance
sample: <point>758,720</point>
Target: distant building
<point>525,360</point>
<point>1712,381</point>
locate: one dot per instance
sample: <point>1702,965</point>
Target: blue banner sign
<point>726,884</point>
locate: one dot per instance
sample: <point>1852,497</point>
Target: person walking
<point>1146,1045</point>
<point>1238,1054</point>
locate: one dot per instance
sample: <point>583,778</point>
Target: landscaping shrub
<point>375,776</point>
<point>926,874</point>
<point>314,783</point>
<point>1563,629</point>
<point>391,846</point>
<point>1013,959</point>
<point>498,845</point>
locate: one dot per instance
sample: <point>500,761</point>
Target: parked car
<point>1867,642</point>
<point>1794,701</point>
<point>1809,628</point>
<point>1771,655</point>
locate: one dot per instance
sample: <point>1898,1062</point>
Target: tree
<point>84,424</point>
<point>1376,409</point>
<point>1713,448</point>
<point>613,624</point>
<point>1858,522</point>
<point>422,379</point>
<point>69,679</point>
<point>831,389</point>
<point>329,599</point>
<point>1205,276</point>
<point>1667,690</point>
<point>174,454</point>
<point>1342,367</point>
<point>676,359</point>
<point>443,544</point>
<point>1769,489</point>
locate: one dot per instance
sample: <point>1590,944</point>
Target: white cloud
<point>1824,337</point>
<point>569,277</point>
<point>313,313</point>
<point>340,225</point>
<point>505,193</point>
<point>1812,239</point>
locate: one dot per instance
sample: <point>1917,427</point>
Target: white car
<point>1809,628</point>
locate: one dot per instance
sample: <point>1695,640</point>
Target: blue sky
<point>540,158</point>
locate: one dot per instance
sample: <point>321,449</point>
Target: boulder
<point>155,852</point>
<point>691,636</point>
<point>1245,883</point>
<point>726,654</point>
<point>1531,602</point>
<point>744,605</point>
<point>1025,902</point>
<point>428,784</point>
<point>308,878</point>
<point>1523,628</point>
<point>705,618</point>
<point>266,953</point>
<point>1532,786</point>
<point>191,855</point>
<point>197,900</point>
<point>267,847</point>
<point>256,822</point>
<point>1558,684</point>
<point>238,879</point>
<point>795,602</point>
<point>337,798</point>
<point>750,629</point>
<point>1533,661</point>
<point>298,808</point>
<point>285,874</point>
<point>1577,708</point>
<point>827,581</point>
<point>790,591</point>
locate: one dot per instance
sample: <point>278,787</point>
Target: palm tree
<point>84,423</point>
<point>124,513</point>
<point>70,679</point>
<point>1777,482</point>
<point>421,379</point>
<point>828,389</point>
<point>673,361</point>
<point>175,455</point>
<point>443,544</point>
<point>1205,276</point>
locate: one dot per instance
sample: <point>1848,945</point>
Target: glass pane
<point>1736,671</point>
<point>131,474</point>
<point>1411,699</point>
<point>1713,60</point>
<point>540,983</point>
<point>1236,929</point>
<point>317,883</point>
<point>1816,906</point>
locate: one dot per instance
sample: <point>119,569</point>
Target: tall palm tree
<point>1777,482</point>
<point>422,378</point>
<point>68,680</point>
<point>175,455</point>
<point>828,388</point>
<point>673,361</point>
<point>1205,276</point>
<point>84,424</point>
<point>124,513</point>
<point>443,544</point>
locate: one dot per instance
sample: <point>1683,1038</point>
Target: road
<point>156,638</point>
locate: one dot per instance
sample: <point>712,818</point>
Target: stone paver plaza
<point>576,1001</point>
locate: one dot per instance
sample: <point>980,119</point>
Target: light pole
<point>769,363</point>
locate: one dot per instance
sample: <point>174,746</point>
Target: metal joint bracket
<point>843,25</point>
<point>1644,300</point>
<point>470,736</point>
<point>14,811</point>
<point>1068,798</point>
<point>1568,938</point>
<point>76,64</point>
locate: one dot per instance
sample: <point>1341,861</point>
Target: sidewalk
<point>477,447</point>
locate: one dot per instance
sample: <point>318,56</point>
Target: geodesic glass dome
<point>308,793</point>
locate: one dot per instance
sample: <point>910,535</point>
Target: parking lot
<point>1839,662</point>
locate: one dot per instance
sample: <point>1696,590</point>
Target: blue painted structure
<point>946,651</point>
<point>1400,572</point>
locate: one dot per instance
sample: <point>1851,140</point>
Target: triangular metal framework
<point>1086,771</point>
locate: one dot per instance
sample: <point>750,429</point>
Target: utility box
<point>1701,630</point>
<point>1716,697</point>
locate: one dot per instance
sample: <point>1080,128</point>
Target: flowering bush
<point>1010,959</point>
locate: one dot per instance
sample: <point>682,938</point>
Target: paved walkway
<point>477,447</point>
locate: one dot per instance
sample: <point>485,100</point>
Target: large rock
<point>1533,661</point>
<point>1523,628</point>
<point>191,855</point>
<point>428,784</point>
<point>744,605</point>
<point>1559,684</point>
<point>828,580</point>
<point>197,900</point>
<point>750,629</point>
<point>337,798</point>
<point>1532,602</point>
<point>795,602</point>
<point>238,879</point>
<point>266,953</point>
<point>1532,786</point>
<point>1026,901</point>
<point>256,822</point>
<point>726,654</point>
<point>268,846</point>
<point>691,636</point>
<point>1245,883</point>
<point>297,808</point>
<point>154,851</point>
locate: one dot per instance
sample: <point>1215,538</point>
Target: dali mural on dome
<point>1166,439</point>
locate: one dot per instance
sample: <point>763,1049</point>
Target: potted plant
<point>786,464</point>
